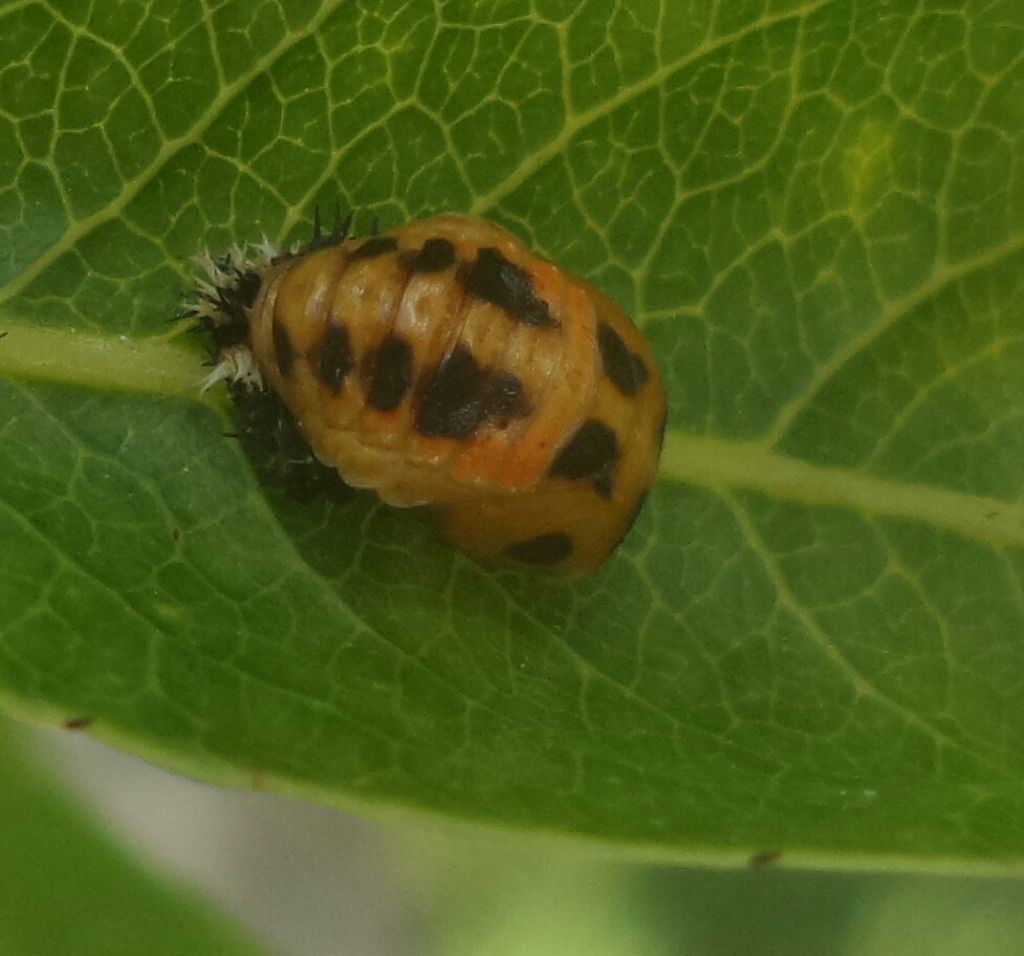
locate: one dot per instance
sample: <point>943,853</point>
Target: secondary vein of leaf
<point>861,684</point>
<point>895,311</point>
<point>576,122</point>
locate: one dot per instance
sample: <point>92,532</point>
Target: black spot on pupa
<point>283,349</point>
<point>459,396</point>
<point>617,359</point>
<point>603,483</point>
<point>391,374</point>
<point>640,369</point>
<point>592,453</point>
<point>435,256</point>
<point>494,279</point>
<point>545,549</point>
<point>376,246</point>
<point>336,359</point>
<point>625,368</point>
<point>504,396</point>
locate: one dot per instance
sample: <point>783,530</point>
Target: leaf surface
<point>812,640</point>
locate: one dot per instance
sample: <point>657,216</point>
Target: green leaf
<point>65,888</point>
<point>812,640</point>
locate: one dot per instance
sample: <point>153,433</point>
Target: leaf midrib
<point>730,464</point>
<point>168,368</point>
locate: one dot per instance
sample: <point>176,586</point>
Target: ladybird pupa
<point>444,364</point>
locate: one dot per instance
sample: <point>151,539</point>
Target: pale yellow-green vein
<point>576,122</point>
<point>155,366</point>
<point>167,366</point>
<point>113,210</point>
<point>722,464</point>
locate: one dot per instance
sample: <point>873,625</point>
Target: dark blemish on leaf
<point>283,349</point>
<point>391,375</point>
<point>458,396</point>
<point>336,358</point>
<point>765,857</point>
<point>494,279</point>
<point>545,549</point>
<point>78,723</point>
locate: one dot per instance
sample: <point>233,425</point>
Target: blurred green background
<point>119,863</point>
